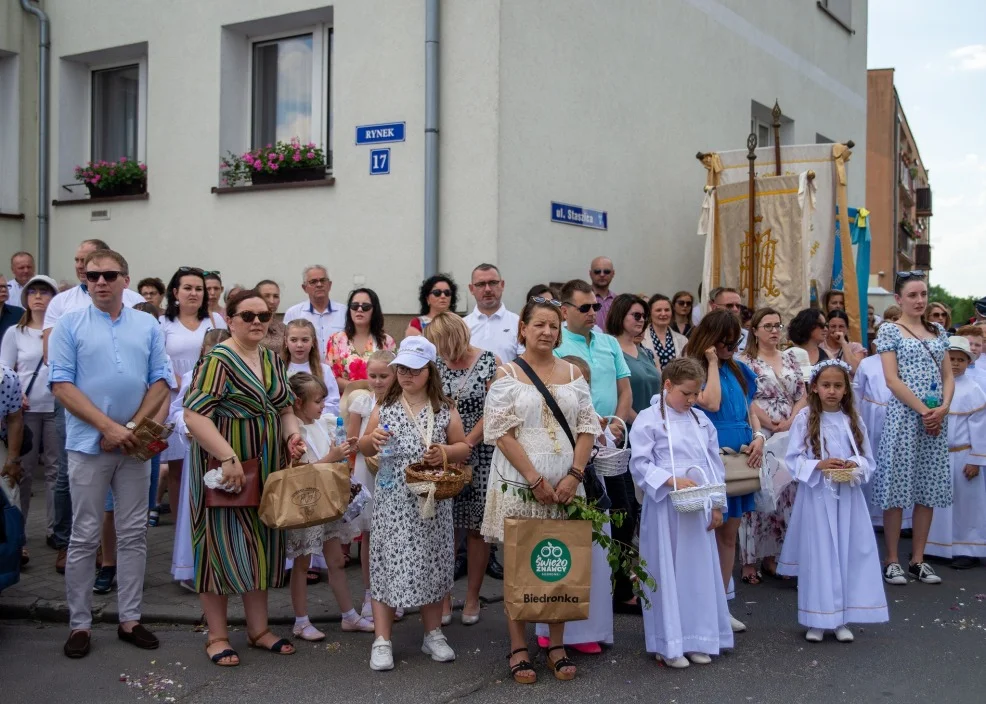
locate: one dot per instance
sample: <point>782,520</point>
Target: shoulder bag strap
<point>548,398</point>
<point>927,347</point>
<point>34,377</point>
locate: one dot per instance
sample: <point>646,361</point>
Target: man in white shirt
<point>22,268</point>
<point>326,315</point>
<point>491,325</point>
<point>65,302</point>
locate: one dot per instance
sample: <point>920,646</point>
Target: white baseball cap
<point>415,353</point>
<point>38,278</point>
<point>957,343</point>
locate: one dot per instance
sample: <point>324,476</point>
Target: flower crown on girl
<point>817,369</point>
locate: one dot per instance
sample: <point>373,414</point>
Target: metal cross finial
<point>751,144</point>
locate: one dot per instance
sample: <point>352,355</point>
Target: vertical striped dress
<point>233,551</point>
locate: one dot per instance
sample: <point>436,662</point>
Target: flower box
<point>117,189</point>
<point>283,162</point>
<point>289,175</point>
<point>109,179</point>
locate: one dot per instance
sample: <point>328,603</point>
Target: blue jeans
<point>63,498</point>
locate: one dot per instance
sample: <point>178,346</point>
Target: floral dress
<point>344,360</point>
<point>468,388</point>
<point>412,559</point>
<point>912,466</point>
<point>762,534</point>
<point>513,406</point>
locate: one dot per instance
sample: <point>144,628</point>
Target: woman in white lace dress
<point>532,453</point>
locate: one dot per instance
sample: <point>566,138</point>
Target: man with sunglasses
<point>725,298</point>
<point>109,370</point>
<point>327,316</point>
<point>601,273</point>
<point>492,327</point>
<point>72,299</point>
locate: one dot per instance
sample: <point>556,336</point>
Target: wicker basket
<point>697,498</point>
<point>449,481</point>
<point>838,476</point>
<point>613,461</point>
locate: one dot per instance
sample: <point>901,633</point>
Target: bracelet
<point>759,434</point>
<point>539,482</point>
<point>576,473</point>
<point>228,459</point>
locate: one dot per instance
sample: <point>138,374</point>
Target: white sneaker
<point>894,574</point>
<point>382,655</point>
<point>699,658</point>
<point>678,663</point>
<point>737,625</point>
<point>437,647</point>
<point>814,635</point>
<point>843,635</point>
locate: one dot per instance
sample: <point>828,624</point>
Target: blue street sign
<point>379,161</point>
<point>577,215</point>
<point>379,134</point>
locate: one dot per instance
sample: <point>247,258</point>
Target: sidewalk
<point>40,594</point>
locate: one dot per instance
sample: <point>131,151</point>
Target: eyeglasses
<point>772,327</point>
<point>39,292</point>
<point>439,292</point>
<point>249,316</point>
<point>585,307</point>
<point>686,304</point>
<point>318,282</point>
<point>407,371</point>
<point>597,272</point>
<point>110,276</point>
<point>487,284</point>
<point>549,301</point>
<point>365,307</point>
<point>637,316</point>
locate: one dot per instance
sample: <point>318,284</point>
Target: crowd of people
<point>890,436</point>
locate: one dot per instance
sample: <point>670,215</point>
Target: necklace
<point>545,377</point>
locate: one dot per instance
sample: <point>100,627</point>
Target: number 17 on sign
<point>379,161</point>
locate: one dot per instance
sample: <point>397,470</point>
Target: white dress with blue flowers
<point>913,466</point>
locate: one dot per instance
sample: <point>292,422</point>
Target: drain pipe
<point>44,51</point>
<point>431,137</point>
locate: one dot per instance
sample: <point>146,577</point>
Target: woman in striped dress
<point>238,407</point>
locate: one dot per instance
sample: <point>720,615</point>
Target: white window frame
<point>321,80</point>
<point>141,64</point>
<point>755,127</point>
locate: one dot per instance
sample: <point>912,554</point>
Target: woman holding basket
<point>533,455</point>
<point>412,558</point>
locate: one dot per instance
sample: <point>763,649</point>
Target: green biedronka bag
<point>547,569</point>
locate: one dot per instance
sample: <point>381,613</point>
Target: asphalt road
<point>934,648</point>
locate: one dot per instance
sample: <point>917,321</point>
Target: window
<point>763,132</point>
<point>839,10</point>
<point>10,122</point>
<point>822,139</point>
<point>115,113</point>
<point>762,125</point>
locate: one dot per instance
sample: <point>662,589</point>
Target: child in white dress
<point>301,355</point>
<point>379,377</point>
<point>325,539</point>
<point>959,531</point>
<point>688,614</point>
<point>830,545</point>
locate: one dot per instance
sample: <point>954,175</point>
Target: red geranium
<point>357,369</point>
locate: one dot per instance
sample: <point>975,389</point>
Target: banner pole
<point>776,114</point>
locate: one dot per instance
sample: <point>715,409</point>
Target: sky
<point>938,51</point>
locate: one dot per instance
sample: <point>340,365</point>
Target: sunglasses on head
<point>597,272</point>
<point>439,292</point>
<point>249,316</point>
<point>192,270</point>
<point>110,276</point>
<point>909,275</point>
<point>407,371</point>
<point>585,307</point>
<point>365,307</point>
<point>549,301</point>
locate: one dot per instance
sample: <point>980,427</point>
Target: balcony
<point>923,197</point>
<point>922,256</point>
<point>905,242</point>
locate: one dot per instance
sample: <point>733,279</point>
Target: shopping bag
<point>774,474</point>
<point>740,478</point>
<point>305,495</point>
<point>547,569</point>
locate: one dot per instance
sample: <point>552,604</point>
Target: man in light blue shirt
<point>109,369</point>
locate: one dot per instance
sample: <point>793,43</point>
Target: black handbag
<point>595,492</point>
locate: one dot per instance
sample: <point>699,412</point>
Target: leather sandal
<point>223,654</point>
<point>522,666</point>
<point>557,665</point>
<point>278,647</point>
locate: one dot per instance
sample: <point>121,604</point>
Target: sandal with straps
<point>557,665</point>
<point>222,655</point>
<point>278,647</point>
<point>522,666</point>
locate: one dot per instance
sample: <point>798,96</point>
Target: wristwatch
<point>131,426</point>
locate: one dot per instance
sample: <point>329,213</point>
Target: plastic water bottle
<point>932,400</point>
<point>385,474</point>
<point>340,434</point>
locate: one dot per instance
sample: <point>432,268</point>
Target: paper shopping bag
<point>547,569</point>
<point>305,495</point>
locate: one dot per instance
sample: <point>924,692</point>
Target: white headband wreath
<point>817,369</point>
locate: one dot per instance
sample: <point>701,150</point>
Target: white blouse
<point>21,350</point>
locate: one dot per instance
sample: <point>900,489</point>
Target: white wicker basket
<point>697,498</point>
<point>613,461</point>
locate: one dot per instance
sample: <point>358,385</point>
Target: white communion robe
<point>182,557</point>
<point>872,395</point>
<point>960,529</point>
<point>688,612</point>
<point>830,546</point>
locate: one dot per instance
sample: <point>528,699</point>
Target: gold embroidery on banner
<point>814,247</point>
<point>763,260</point>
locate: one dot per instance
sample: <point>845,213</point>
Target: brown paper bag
<point>305,495</point>
<point>547,569</point>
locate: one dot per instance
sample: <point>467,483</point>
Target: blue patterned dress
<point>912,466</point>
